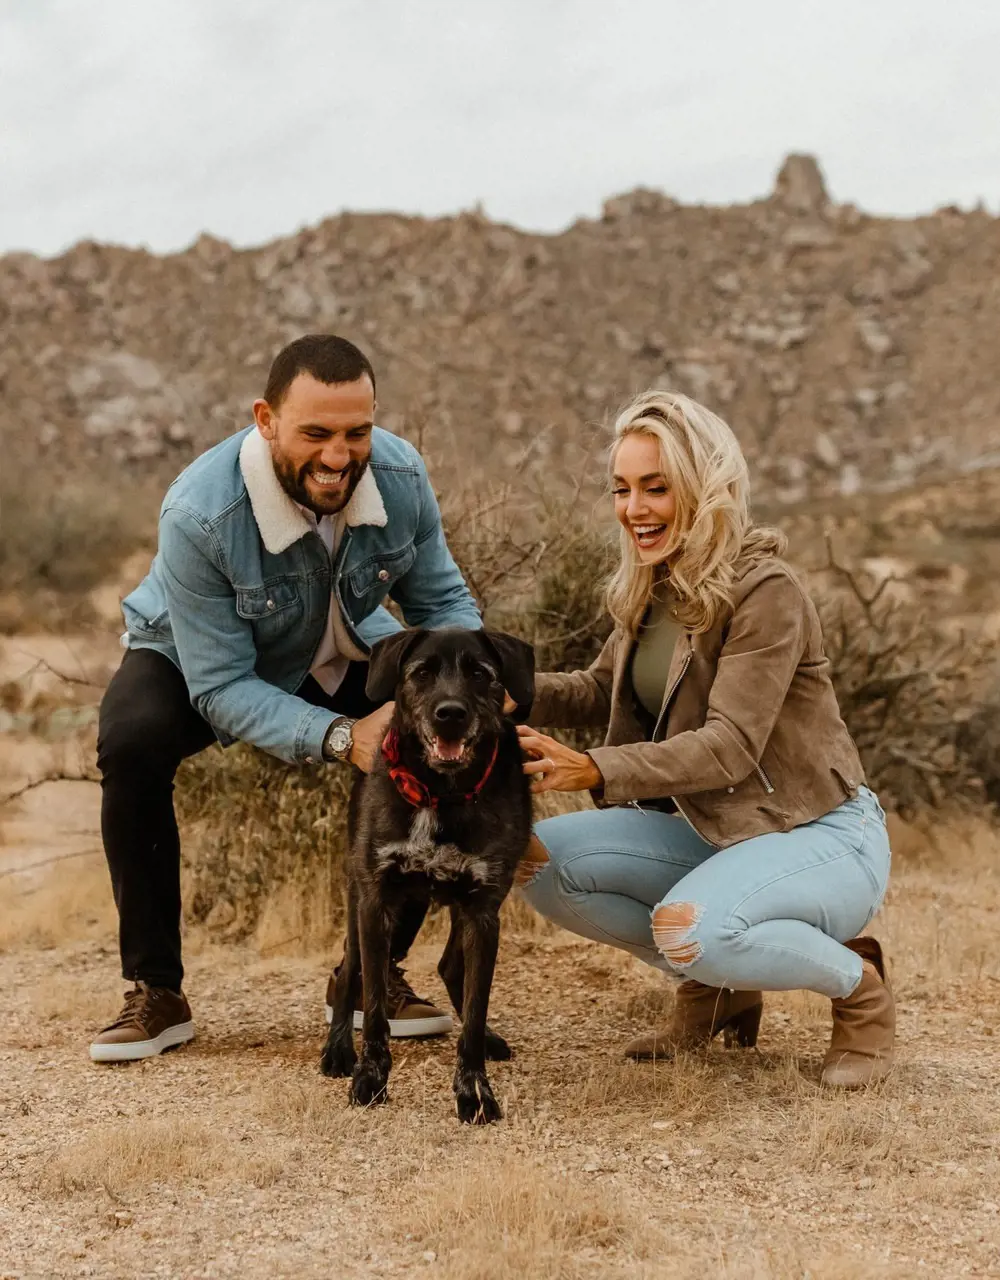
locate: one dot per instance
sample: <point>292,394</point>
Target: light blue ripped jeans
<point>768,913</point>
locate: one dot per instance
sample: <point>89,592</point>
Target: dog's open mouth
<point>441,751</point>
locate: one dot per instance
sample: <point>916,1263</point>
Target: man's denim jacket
<point>238,595</point>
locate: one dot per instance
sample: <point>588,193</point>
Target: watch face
<point>340,738</point>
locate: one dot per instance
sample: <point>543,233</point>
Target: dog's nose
<point>450,715</point>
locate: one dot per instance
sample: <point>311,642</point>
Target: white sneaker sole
<point>136,1049</point>
<point>402,1028</point>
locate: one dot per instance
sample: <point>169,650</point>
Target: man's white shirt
<point>336,649</point>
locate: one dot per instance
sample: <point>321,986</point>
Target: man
<point>276,550</point>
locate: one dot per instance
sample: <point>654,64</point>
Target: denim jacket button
<point>310,760</point>
<point>270,604</point>
<point>383,575</point>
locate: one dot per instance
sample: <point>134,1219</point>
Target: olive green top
<point>654,648</point>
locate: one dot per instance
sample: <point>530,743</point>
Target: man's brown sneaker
<point>153,1019</point>
<point>408,1014</point>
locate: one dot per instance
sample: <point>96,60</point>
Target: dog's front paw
<point>497,1048</point>
<point>338,1058</point>
<point>474,1099</point>
<point>368,1084</point>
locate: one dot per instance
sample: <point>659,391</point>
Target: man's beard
<point>293,481</point>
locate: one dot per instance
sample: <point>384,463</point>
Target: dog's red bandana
<point>411,788</point>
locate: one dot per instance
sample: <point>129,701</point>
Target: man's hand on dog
<point>368,734</point>
<point>554,766</point>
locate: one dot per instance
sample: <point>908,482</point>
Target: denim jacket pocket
<point>154,626</point>
<point>271,608</point>
<point>145,612</point>
<point>372,581</point>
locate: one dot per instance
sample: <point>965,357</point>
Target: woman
<point>739,847</point>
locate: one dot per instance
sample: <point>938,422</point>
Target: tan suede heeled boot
<point>700,1013</point>
<point>864,1025</point>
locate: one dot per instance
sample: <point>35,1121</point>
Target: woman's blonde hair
<point>712,532</point>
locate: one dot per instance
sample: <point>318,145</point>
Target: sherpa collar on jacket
<point>278,518</point>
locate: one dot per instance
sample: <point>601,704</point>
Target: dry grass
<point>300,917</point>
<point>124,1160</point>
<point>234,1158</point>
<point>516,1217</point>
<point>72,904</point>
<point>66,1008</point>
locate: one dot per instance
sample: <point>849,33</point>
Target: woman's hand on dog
<point>368,734</point>
<point>552,766</point>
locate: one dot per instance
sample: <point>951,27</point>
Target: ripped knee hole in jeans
<point>674,925</point>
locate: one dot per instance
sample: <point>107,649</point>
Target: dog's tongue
<point>449,750</point>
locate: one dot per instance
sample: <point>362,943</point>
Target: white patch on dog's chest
<point>419,854</point>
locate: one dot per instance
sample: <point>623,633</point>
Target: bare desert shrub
<point>905,692</point>
<point>977,739</point>
<point>537,569</point>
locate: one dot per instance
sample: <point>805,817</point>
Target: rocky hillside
<point>849,351</point>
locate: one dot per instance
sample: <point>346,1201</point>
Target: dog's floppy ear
<point>517,665</point>
<point>386,661</point>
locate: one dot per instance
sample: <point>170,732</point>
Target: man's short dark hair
<point>328,358</point>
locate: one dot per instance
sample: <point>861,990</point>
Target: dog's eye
<point>483,673</point>
<point>421,673</point>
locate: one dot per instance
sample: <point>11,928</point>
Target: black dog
<point>445,814</point>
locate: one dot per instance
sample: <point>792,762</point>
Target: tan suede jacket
<point>749,739</point>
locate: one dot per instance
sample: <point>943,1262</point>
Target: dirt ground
<point>232,1157</point>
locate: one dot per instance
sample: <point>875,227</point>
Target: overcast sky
<point>148,121</point>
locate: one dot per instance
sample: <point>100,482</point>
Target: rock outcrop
<point>847,351</point>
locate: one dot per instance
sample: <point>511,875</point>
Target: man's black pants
<point>147,727</point>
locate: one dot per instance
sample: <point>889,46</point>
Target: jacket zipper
<point>673,689</point>
<point>765,780</point>
<point>656,728</point>
<point>634,804</point>
<point>677,805</point>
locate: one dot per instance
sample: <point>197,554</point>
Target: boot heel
<point>741,1029</point>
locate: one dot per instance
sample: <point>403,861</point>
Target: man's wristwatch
<point>339,740</point>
